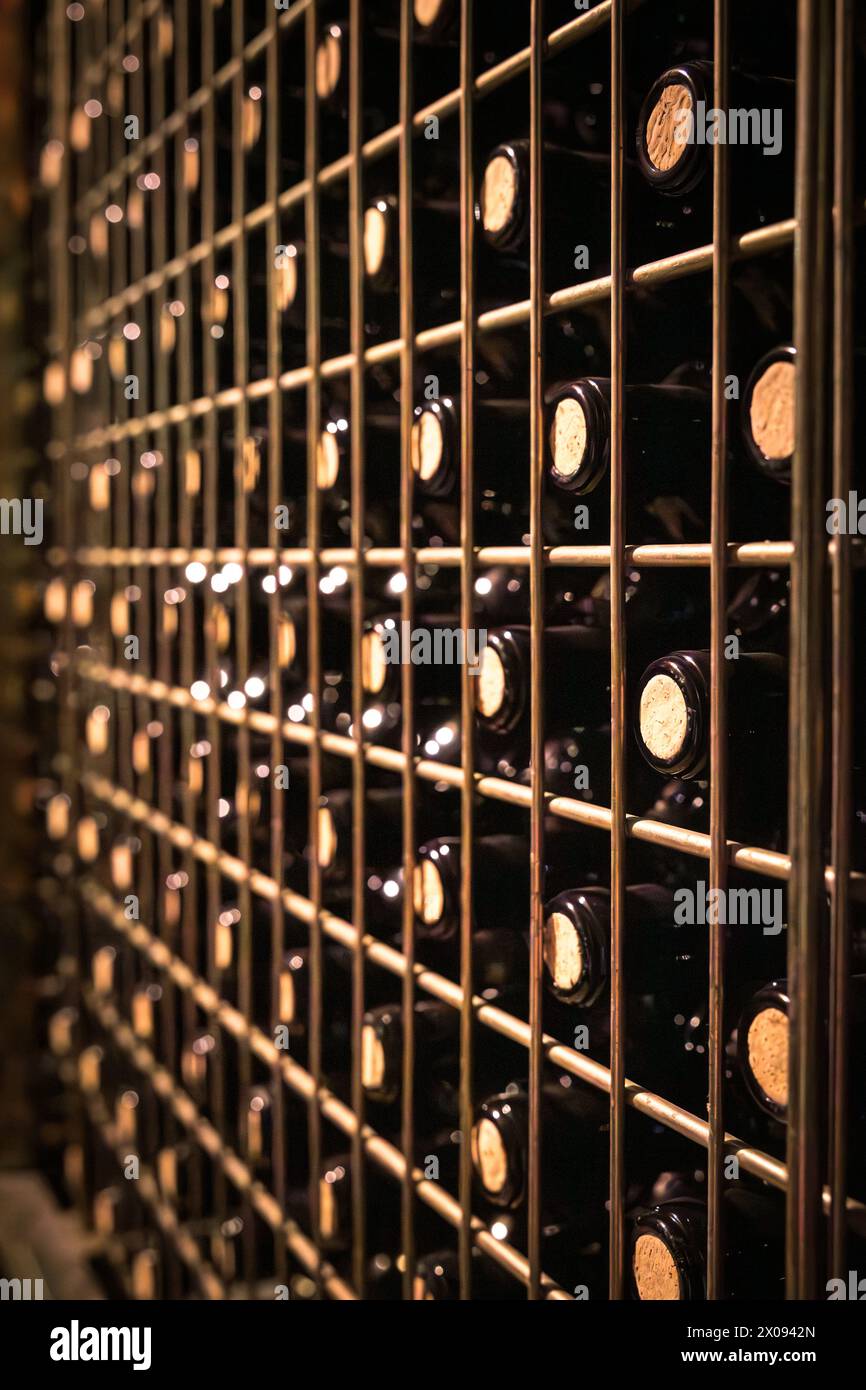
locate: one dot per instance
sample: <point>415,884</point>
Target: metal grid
<point>147,535</point>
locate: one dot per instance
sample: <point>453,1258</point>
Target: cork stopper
<point>57,817</point>
<point>375,239</point>
<point>772,411</point>
<point>287,641</point>
<point>373,663</point>
<point>88,839</point>
<point>568,445</point>
<point>490,690</point>
<point>166,1171</point>
<point>286,997</point>
<point>327,837</point>
<point>664,717</point>
<point>372,1059</point>
<point>121,864</point>
<point>768,1053</point>
<point>426,445</point>
<point>667,127</point>
<point>144,1275</point>
<point>419,1288</point>
<point>428,892</point>
<point>328,63</point>
<point>563,954</point>
<point>655,1270</point>
<point>251,458</point>
<point>286,287</point>
<point>489,1156</point>
<point>192,472</point>
<point>327,460</point>
<point>251,122</point>
<point>328,1218</point>
<point>498,193</point>
<point>427,12</point>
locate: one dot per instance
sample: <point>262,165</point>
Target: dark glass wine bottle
<point>669,1243</point>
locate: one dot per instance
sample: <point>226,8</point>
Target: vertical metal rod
<point>314,657</point>
<point>359,767</point>
<point>617,651</point>
<point>275,692</point>
<point>718,866</point>
<point>467,567</point>
<point>808,514</point>
<point>840,559</point>
<point>407,613</point>
<point>536,604</point>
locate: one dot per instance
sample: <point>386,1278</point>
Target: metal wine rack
<point>142,538</point>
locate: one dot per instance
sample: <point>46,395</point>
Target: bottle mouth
<point>373,1062</point>
<point>286,287</point>
<point>578,438</point>
<point>498,687</point>
<point>378,239</point>
<point>490,1156</point>
<point>287,1003</point>
<point>669,158</point>
<point>575,954</point>
<point>672,717</point>
<point>763,1043</point>
<point>329,63</point>
<point>770,412</point>
<point>328,838</point>
<point>327,460</point>
<point>656,1275</point>
<point>428,892</point>
<point>501,208</point>
<point>374,666</point>
<point>432,447</point>
<point>429,12</point>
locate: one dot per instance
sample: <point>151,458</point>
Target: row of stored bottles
<point>261,963</point>
<point>669,164</point>
<point>200,766</point>
<point>665,1194</point>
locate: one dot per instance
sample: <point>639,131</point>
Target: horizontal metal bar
<point>590,292</point>
<point>750,858</point>
<point>577,1064</point>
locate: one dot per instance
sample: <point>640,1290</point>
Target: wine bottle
<point>678,127</point>
<point>437,1278</point>
<point>576,237</point>
<point>669,1242</point>
<point>769,413</point>
<point>672,730</point>
<point>667,436</point>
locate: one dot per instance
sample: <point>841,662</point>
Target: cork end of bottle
<point>498,194</point>
<point>489,1156</point>
<point>568,444</point>
<point>373,663</point>
<point>427,12</point>
<point>563,954</point>
<point>768,1042</point>
<point>372,1059</point>
<point>668,127</point>
<point>328,1219</point>
<point>772,411</point>
<point>490,687</point>
<point>286,1001</point>
<point>286,287</point>
<point>375,239</point>
<point>426,446</point>
<point>328,63</point>
<point>655,1271</point>
<point>664,718</point>
<point>327,460</point>
<point>428,893</point>
<point>327,838</point>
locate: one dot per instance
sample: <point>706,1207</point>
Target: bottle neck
<point>763,1044</point>
<point>673,714</point>
<point>668,1261</point>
